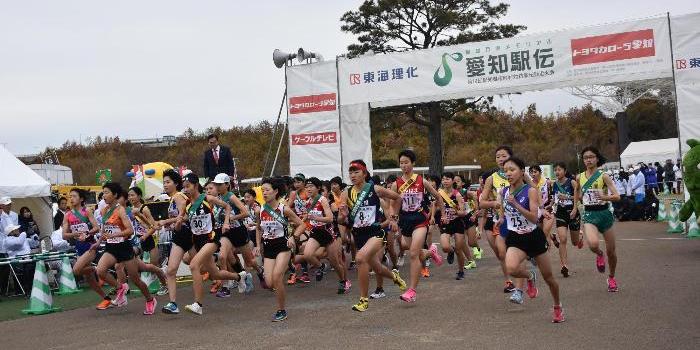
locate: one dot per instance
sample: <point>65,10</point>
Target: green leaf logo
<point>447,77</point>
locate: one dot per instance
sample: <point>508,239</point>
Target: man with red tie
<point>217,159</point>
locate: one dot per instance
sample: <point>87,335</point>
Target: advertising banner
<point>314,129</point>
<point>686,55</point>
<point>603,54</point>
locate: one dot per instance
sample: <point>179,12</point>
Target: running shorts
<point>468,223</point>
<point>410,221</point>
<point>362,234</point>
<point>322,236</point>
<point>200,240</point>
<point>454,226</point>
<point>563,216</point>
<point>533,243</point>
<point>121,251</point>
<point>238,236</point>
<point>273,247</point>
<point>82,247</point>
<point>183,238</point>
<point>602,218</point>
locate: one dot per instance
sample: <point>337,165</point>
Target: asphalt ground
<point>656,308</point>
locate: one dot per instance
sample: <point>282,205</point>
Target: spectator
<point>669,176</point>
<point>19,244</point>
<point>650,179</point>
<point>678,170</point>
<point>60,213</point>
<point>621,186</point>
<point>27,223</point>
<point>659,176</point>
<point>638,193</point>
<point>7,216</point>
<point>217,159</point>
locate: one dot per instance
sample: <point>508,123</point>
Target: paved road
<point>656,308</point>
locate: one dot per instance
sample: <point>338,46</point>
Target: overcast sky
<point>72,69</point>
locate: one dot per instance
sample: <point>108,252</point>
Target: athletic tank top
<point>201,219</point>
<point>271,228</point>
<point>592,195</point>
<point>249,221</point>
<point>139,228</point>
<point>543,188</point>
<point>499,183</point>
<point>449,212</point>
<point>173,212</point>
<point>370,210</point>
<point>77,224</point>
<point>412,199</point>
<point>300,203</point>
<point>220,212</point>
<point>563,193</point>
<point>516,221</point>
<point>113,225</point>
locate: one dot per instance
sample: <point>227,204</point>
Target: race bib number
<point>563,200</point>
<point>518,223</point>
<point>201,224</point>
<point>113,230</point>
<point>450,214</point>
<point>80,228</point>
<point>271,229</point>
<point>411,201</point>
<point>592,197</point>
<point>316,212</point>
<point>366,216</point>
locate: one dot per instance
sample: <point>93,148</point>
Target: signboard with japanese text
<point>686,62</point>
<point>314,124</point>
<point>624,51</point>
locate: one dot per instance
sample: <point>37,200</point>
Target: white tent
<point>650,152</point>
<point>26,188</point>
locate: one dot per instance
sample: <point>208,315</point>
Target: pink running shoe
<point>120,299</point>
<point>600,263</point>
<point>437,258</point>
<point>612,285</point>
<point>558,316</point>
<point>532,285</point>
<point>348,285</point>
<point>409,296</point>
<point>150,306</point>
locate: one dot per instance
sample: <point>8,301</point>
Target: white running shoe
<point>194,308</point>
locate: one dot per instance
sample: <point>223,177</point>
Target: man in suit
<point>217,159</point>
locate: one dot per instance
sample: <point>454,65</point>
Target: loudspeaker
<point>303,55</point>
<point>281,57</point>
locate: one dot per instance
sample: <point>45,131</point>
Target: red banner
<point>312,103</point>
<point>316,138</point>
<point>613,47</point>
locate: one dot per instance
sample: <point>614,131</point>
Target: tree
<point>387,26</point>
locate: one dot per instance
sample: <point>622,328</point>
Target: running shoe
<point>279,316</point>
<point>427,262</point>
<point>555,240</point>
<point>509,287</point>
<point>121,299</point>
<point>348,285</point>
<point>516,297</point>
<point>558,315</point>
<point>104,304</point>
<point>579,245</point>
<point>400,261</point>
<point>532,284</point>
<point>378,294</point>
<point>470,265</point>
<point>232,285</point>
<point>476,251</point>
<point>409,296</point>
<point>241,282</point>
<point>600,263</point>
<point>163,290</point>
<point>352,266</point>
<point>150,306</point>
<point>292,278</point>
<point>194,308</point>
<point>362,305</point>
<point>215,286</point>
<point>565,271</point>
<point>319,272</point>
<point>612,285</point>
<point>398,280</point>
<point>451,257</point>
<point>248,282</point>
<point>170,308</point>
<point>425,272</point>
<point>437,258</point>
<point>341,287</point>
<point>261,277</point>
<point>224,292</point>
<point>305,278</point>
<point>460,275</point>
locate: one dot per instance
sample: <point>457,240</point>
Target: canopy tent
<point>27,189</point>
<point>650,152</point>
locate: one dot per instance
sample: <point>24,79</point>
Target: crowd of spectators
<point>639,186</point>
